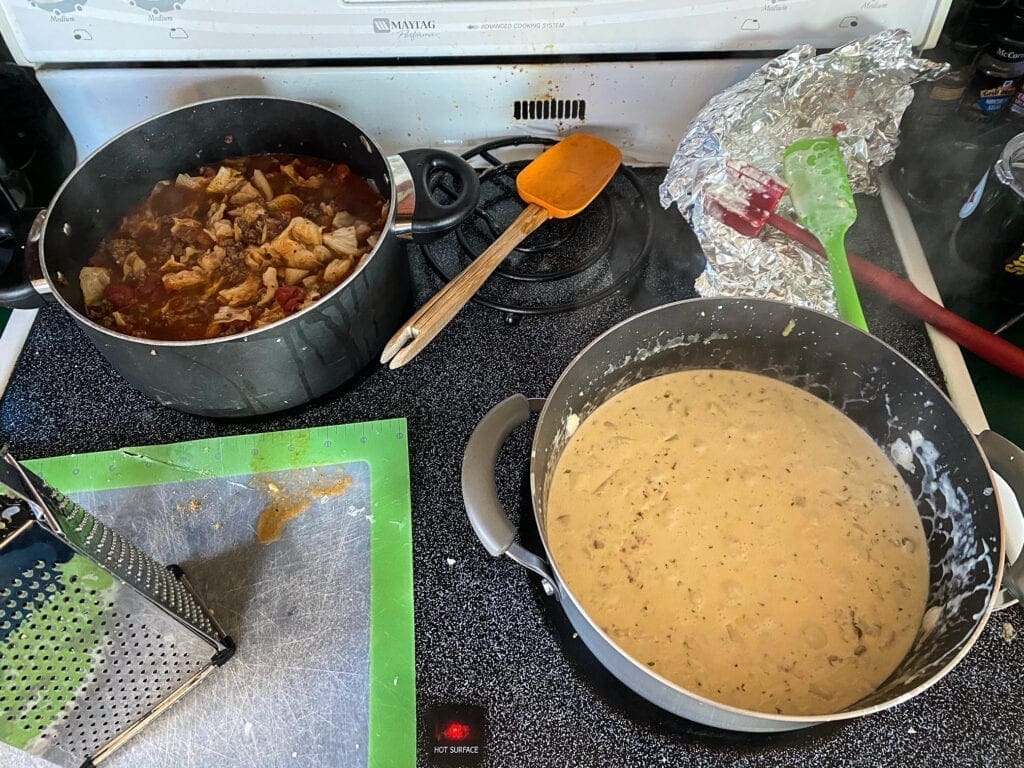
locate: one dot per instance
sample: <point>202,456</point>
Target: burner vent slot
<point>549,109</point>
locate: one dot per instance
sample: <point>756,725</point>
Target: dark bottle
<point>985,13</point>
<point>941,156</point>
<point>990,228</point>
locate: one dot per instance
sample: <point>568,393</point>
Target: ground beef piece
<point>119,248</point>
<point>252,235</point>
<point>250,223</point>
<point>171,246</point>
<point>234,266</point>
<point>276,225</point>
<point>310,211</point>
<point>166,247</point>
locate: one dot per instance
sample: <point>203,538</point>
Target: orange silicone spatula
<point>560,183</point>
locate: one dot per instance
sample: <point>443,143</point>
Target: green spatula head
<point>819,187</point>
<point>820,191</point>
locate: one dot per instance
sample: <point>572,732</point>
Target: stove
<point>489,643</point>
<point>487,638</point>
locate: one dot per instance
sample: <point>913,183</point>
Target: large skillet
<point>286,363</point>
<point>868,381</point>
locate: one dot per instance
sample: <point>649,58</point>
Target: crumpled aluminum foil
<point>857,92</point>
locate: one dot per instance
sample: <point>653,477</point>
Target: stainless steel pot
<point>868,381</point>
<point>286,363</point>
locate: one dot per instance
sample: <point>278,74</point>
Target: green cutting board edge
<point>384,446</point>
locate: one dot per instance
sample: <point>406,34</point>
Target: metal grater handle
<point>16,478</point>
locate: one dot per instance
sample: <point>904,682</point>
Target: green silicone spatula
<point>820,191</point>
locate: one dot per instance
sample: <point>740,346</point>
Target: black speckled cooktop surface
<point>484,635</point>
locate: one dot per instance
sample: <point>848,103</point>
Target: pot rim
<point>806,720</point>
<point>244,335</point>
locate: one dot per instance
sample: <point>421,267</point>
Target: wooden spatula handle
<point>433,316</point>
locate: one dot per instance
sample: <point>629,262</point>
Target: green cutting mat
<point>384,446</point>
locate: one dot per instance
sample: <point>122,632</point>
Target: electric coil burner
<point>567,263</point>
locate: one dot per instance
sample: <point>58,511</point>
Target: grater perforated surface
<point>84,657</point>
<point>140,664</point>
<point>128,562</point>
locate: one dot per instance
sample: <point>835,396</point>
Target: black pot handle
<point>19,265</point>
<point>418,217</point>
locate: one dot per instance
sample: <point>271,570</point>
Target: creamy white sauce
<point>743,539</point>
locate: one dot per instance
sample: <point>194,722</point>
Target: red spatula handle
<point>981,342</point>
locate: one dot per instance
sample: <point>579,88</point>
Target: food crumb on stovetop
<point>450,561</point>
<point>1009,633</point>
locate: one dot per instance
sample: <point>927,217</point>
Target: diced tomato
<point>290,297</point>
<point>342,171</point>
<point>838,128</point>
<point>119,294</point>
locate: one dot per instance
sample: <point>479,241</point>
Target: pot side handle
<point>19,253</point>
<point>1008,460</point>
<point>419,217</point>
<point>480,492</point>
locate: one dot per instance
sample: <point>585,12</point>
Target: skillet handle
<point>480,492</point>
<point>1008,460</point>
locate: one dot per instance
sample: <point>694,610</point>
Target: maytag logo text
<point>405,25</point>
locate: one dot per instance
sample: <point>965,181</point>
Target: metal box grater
<point>96,637</point>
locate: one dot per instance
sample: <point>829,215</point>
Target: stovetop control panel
<point>43,32</point>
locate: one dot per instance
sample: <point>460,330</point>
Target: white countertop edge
<point>12,340</point>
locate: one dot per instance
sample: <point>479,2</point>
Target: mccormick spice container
<point>998,74</point>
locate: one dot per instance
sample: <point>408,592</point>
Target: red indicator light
<point>456,731</point>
